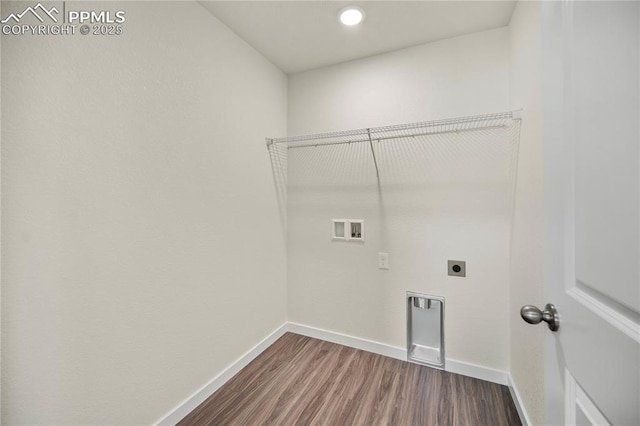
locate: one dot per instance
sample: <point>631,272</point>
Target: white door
<point>591,134</point>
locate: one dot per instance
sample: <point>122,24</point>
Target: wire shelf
<point>398,131</point>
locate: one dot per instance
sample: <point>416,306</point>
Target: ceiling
<point>301,35</point>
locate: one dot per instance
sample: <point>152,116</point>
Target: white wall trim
<point>517,400</point>
<point>179,412</point>
<point>351,341</point>
<point>453,366</point>
<point>477,371</point>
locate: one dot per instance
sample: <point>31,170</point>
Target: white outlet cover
<point>383,260</point>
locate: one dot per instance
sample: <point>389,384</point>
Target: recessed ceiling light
<point>351,15</point>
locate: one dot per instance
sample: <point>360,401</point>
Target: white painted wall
<point>141,246</point>
<point>527,249</point>
<point>527,266</point>
<point>450,78</point>
<point>1,274</point>
<point>337,286</point>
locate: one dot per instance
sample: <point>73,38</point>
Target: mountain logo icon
<point>38,11</point>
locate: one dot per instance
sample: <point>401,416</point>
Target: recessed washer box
<point>339,229</point>
<point>347,230</point>
<point>356,230</point>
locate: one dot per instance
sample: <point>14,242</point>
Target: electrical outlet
<point>383,260</point>
<point>457,268</point>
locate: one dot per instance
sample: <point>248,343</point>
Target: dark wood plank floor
<point>305,381</point>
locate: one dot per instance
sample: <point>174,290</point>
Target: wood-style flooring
<point>303,381</point>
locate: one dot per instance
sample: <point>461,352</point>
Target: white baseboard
<point>453,366</point>
<point>477,371</point>
<point>179,412</point>
<point>517,400</point>
<point>351,341</point>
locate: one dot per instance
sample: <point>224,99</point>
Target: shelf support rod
<point>373,153</point>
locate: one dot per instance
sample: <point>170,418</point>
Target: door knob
<point>533,315</point>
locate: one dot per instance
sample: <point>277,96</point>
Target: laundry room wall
<point>460,211</point>
<point>142,250</point>
<point>527,248</point>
